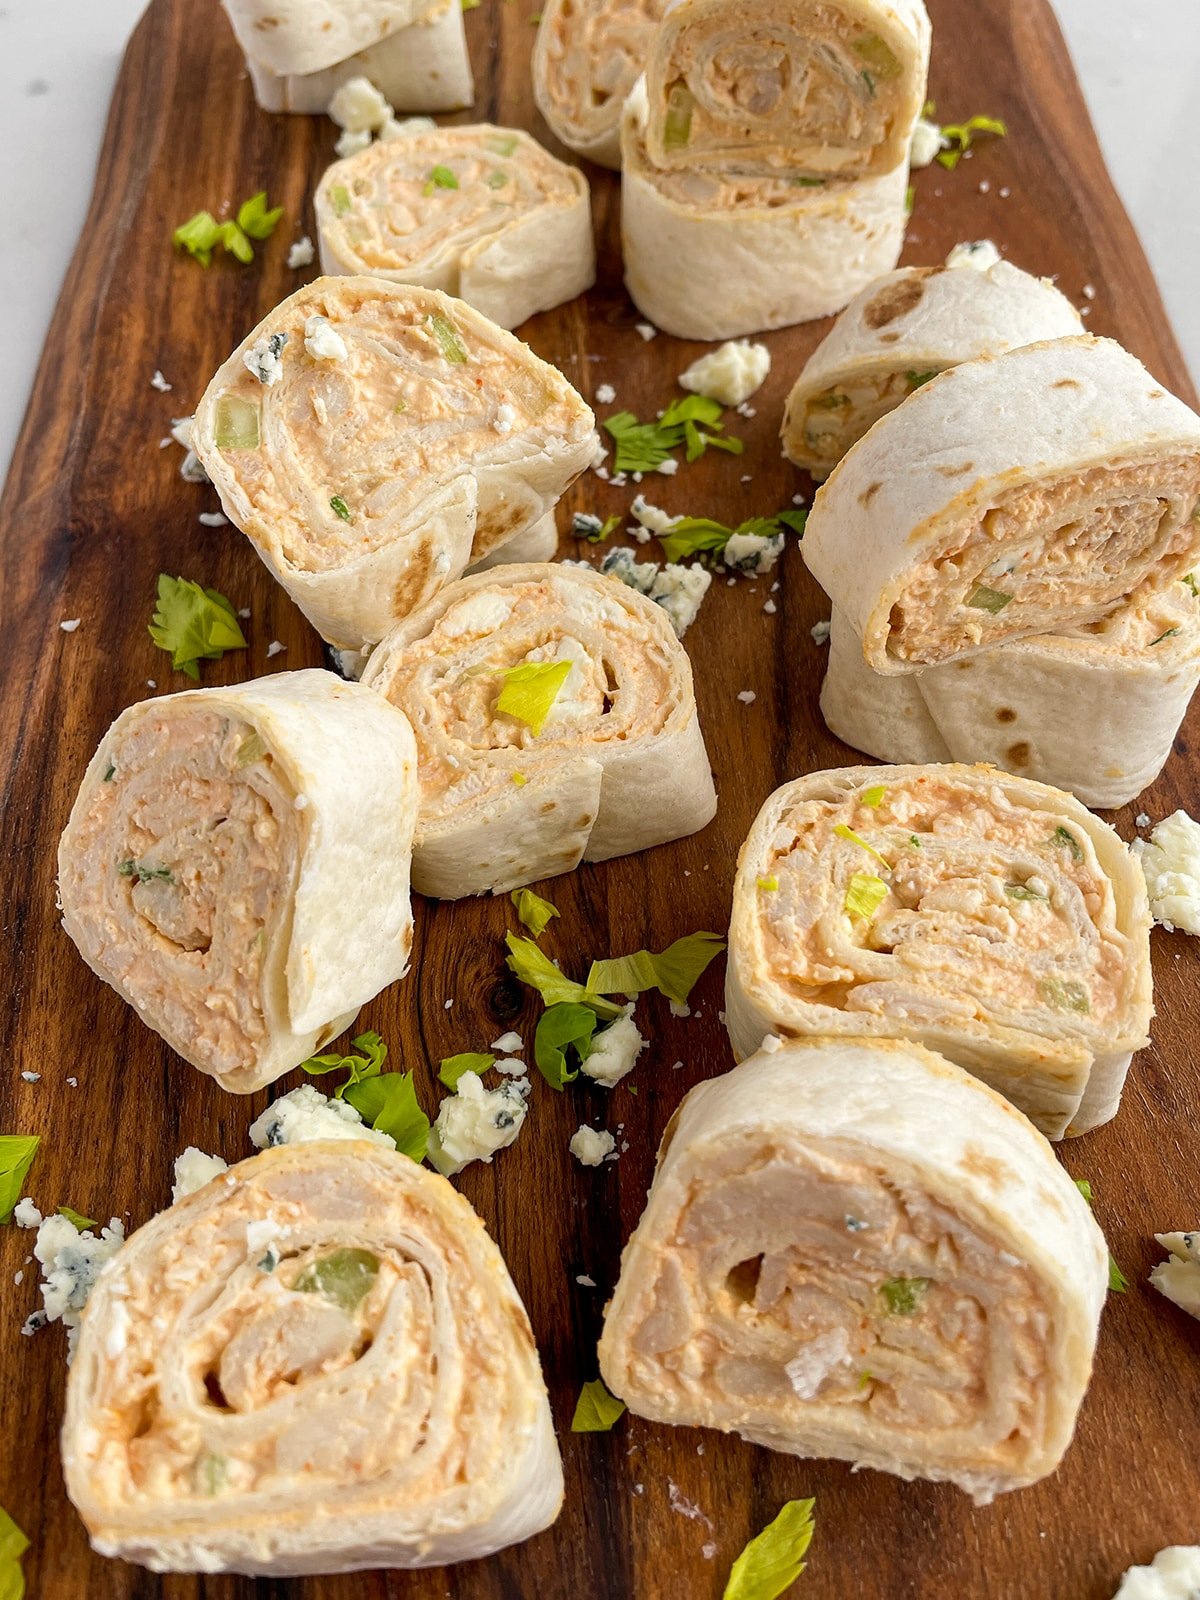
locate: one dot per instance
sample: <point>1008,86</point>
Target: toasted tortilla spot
<point>497,524</point>
<point>890,338</point>
<point>1065,383</point>
<point>1018,754</point>
<point>896,300</point>
<point>957,472</point>
<point>979,1165</point>
<point>869,493</point>
<point>1006,714</point>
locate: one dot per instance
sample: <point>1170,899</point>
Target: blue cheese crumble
<point>1174,1574</point>
<point>730,374</point>
<point>475,1122</point>
<point>615,1051</point>
<point>264,359</point>
<point>306,1114</point>
<point>71,1261</point>
<point>193,1169</point>
<point>679,590</point>
<point>591,1146</point>
<point>1170,860</point>
<point>1178,1277</point>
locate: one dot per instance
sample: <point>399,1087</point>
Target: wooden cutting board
<point>94,510</point>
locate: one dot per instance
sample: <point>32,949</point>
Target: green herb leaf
<point>773,1559</point>
<point>692,420</point>
<point>533,911</point>
<point>562,1027</point>
<point>530,691</point>
<point>535,968</point>
<point>340,509</point>
<point>1022,891</point>
<point>795,520</point>
<point>1118,1283</point>
<point>369,1064</point>
<point>596,1410</point>
<point>869,81</point>
<point>691,535</point>
<point>848,833</point>
<point>449,339</point>
<point>13,1545</point>
<point>390,1104</point>
<point>961,135</point>
<point>904,1296</point>
<point>77,1219</point>
<point>193,624</point>
<point>455,1067</point>
<point>981,598</point>
<point>1189,578</point>
<point>255,219</point>
<point>441,178</point>
<point>345,1276</point>
<point>865,893</point>
<point>1169,634</point>
<point>17,1151</point>
<point>1065,839</point>
<point>673,972</point>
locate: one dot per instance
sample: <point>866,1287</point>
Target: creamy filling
<point>590,54</point>
<point>942,903</point>
<point>295,1339</point>
<point>620,685</point>
<point>1062,550</point>
<point>823,96</point>
<point>803,1277</point>
<point>181,878</point>
<point>404,201</point>
<point>836,418</point>
<point>336,453</point>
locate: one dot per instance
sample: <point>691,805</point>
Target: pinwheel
<point>715,254</point>
<point>1094,710</point>
<point>236,866</point>
<point>373,439</point>
<point>300,52</point>
<point>901,331</point>
<point>555,721</point>
<point>586,58</point>
<point>316,1363</point>
<point>1021,494</point>
<point>993,919</point>
<point>481,212</point>
<point>853,1249</point>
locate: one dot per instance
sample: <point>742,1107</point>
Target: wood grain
<point>94,509</point>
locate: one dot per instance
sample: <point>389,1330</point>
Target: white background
<point>1139,64</point>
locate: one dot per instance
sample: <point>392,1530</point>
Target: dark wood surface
<point>94,509</point>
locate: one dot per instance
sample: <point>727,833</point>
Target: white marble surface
<point>1139,64</point>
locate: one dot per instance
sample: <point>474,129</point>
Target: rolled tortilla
<point>900,332</point>
<point>587,56</point>
<point>391,449</point>
<point>1094,711</point>
<point>422,67</point>
<point>853,1249</point>
<point>480,212</point>
<point>619,765</point>
<point>236,866</point>
<point>710,255</point>
<point>993,919</point>
<point>787,87</point>
<point>314,1364</point>
<point>1012,496</point>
